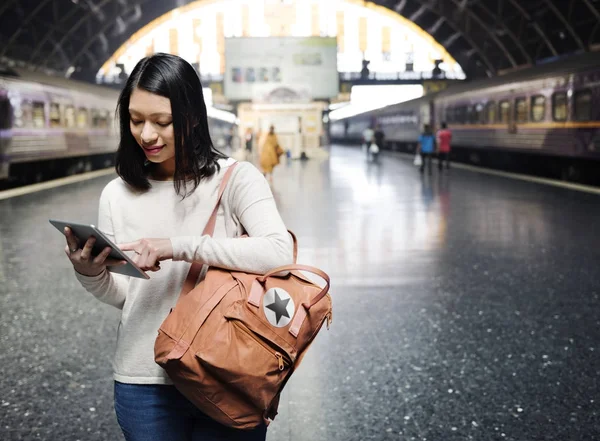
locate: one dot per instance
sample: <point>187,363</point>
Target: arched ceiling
<point>487,37</point>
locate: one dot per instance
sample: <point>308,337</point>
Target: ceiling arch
<point>487,37</point>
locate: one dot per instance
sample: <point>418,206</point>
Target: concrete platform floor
<point>466,306</point>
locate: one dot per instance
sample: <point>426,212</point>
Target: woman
<point>270,153</point>
<point>169,173</point>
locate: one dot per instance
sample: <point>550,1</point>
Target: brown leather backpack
<point>231,343</point>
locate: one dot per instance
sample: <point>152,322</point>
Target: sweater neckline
<point>223,162</point>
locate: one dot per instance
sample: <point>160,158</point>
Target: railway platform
<point>466,307</point>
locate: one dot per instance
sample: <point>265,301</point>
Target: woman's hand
<point>82,259</point>
<point>149,252</point>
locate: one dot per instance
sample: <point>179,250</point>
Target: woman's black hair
<point>195,156</point>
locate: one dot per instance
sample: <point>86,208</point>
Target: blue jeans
<point>154,412</point>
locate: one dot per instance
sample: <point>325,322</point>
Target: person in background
<point>270,153</point>
<point>230,136</point>
<point>248,141</point>
<point>444,137</point>
<point>426,147</point>
<point>379,137</point>
<point>368,135</point>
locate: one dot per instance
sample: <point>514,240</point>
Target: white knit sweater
<point>126,216</point>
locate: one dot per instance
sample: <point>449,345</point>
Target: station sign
<point>281,69</point>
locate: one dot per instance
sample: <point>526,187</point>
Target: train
<point>543,120</point>
<point>53,127</point>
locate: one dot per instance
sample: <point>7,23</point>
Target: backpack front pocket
<point>246,358</point>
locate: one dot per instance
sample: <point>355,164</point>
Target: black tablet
<point>83,232</point>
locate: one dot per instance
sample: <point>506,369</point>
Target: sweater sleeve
<point>268,244</point>
<point>109,288</point>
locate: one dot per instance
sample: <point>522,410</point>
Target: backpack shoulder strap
<point>196,268</point>
<point>210,226</point>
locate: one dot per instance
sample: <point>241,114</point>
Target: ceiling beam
<point>22,26</point>
<point>433,29</point>
<point>436,8</point>
<point>400,6</point>
<point>592,8</point>
<point>498,19</point>
<point>535,25</point>
<point>566,24</point>
<point>101,32</point>
<point>70,32</point>
<point>417,14</point>
<point>486,29</point>
<point>6,5</point>
<point>57,27</point>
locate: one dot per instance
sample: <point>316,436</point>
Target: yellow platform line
<point>7,194</point>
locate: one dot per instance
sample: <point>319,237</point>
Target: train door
<point>505,116</point>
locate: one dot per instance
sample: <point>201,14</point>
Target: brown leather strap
<point>295,245</point>
<point>209,229</point>
<point>310,269</point>
<point>210,226</point>
<point>297,322</point>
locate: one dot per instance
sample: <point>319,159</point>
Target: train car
<point>544,120</point>
<point>400,124</point>
<point>52,126</point>
<point>51,123</point>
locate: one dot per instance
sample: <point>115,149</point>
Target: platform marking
<point>7,194</point>
<point>518,176</point>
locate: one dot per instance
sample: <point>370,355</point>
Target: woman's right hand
<point>82,259</point>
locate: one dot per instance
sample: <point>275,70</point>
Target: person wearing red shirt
<point>444,137</point>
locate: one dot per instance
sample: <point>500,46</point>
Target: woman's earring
<point>146,163</point>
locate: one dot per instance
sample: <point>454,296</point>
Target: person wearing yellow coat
<point>270,153</point>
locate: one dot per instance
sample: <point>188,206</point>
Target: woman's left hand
<point>149,252</point>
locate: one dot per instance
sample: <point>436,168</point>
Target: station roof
<point>487,37</point>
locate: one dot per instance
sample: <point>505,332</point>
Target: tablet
<point>83,232</point>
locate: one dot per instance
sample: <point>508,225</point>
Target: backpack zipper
<point>281,360</point>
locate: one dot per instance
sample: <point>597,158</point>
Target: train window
<point>82,117</point>
<point>479,114</point>
<point>582,105</point>
<point>23,115</point>
<point>54,115</point>
<point>520,110</point>
<point>100,118</point>
<point>449,114</point>
<point>490,112</point>
<point>538,108</point>
<point>461,114</point>
<point>504,114</point>
<point>470,114</point>
<point>38,114</point>
<point>559,106</point>
<point>5,115</point>
<point>70,119</point>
